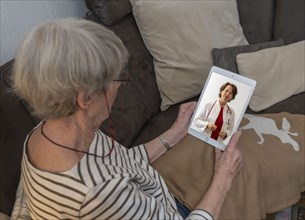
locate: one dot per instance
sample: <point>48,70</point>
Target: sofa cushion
<point>139,100</point>
<point>256,18</point>
<point>279,73</point>
<point>108,11</point>
<point>263,185</point>
<point>226,57</point>
<point>290,20</point>
<point>181,35</point>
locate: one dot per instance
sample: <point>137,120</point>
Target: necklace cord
<point>111,128</point>
<point>60,145</point>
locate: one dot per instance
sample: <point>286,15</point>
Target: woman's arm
<point>121,198</point>
<point>227,165</point>
<point>172,136</point>
<point>201,121</point>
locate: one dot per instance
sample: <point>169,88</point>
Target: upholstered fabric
<point>256,18</point>
<point>279,73</point>
<point>144,120</point>
<point>289,21</point>
<point>226,57</point>
<point>108,11</point>
<point>181,35</point>
<point>262,185</point>
<point>294,104</point>
<point>139,100</point>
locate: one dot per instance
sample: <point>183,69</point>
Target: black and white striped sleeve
<point>140,151</point>
<point>121,198</point>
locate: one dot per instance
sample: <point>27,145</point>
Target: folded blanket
<point>272,176</point>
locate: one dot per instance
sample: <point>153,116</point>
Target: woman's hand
<point>212,127</point>
<point>155,148</point>
<point>223,134</point>
<point>179,129</point>
<point>228,163</point>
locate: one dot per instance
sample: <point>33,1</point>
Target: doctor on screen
<point>217,118</point>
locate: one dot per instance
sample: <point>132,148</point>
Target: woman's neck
<point>70,132</point>
<point>222,103</point>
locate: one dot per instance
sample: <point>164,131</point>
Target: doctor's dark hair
<point>234,89</point>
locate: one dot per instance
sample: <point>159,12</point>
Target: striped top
<point>120,186</point>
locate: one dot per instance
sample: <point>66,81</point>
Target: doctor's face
<point>227,93</point>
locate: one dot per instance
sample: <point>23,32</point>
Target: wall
<point>17,17</point>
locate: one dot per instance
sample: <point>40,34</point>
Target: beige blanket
<point>272,176</point>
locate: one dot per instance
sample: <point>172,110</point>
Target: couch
<point>137,116</point>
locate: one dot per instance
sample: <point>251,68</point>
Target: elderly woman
<point>69,71</point>
<point>217,118</point>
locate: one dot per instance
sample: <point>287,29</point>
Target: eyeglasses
<point>123,82</point>
<point>125,78</point>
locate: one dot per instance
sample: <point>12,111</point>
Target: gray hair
<point>58,59</point>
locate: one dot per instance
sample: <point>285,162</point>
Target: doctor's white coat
<point>209,114</point>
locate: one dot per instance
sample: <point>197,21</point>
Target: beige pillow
<point>279,73</point>
<point>180,35</point>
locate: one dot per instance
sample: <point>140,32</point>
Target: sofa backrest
<point>109,12</point>
<point>139,100</point>
<point>272,20</point>
<point>289,21</point>
<point>257,18</point>
<point>262,21</point>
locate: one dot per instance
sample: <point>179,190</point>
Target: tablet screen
<point>221,106</point>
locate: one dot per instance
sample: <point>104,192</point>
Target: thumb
<point>235,137</point>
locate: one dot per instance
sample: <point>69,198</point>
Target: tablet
<point>221,106</point>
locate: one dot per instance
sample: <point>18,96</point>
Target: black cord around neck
<point>68,148</point>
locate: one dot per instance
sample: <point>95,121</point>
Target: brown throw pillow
<point>272,176</point>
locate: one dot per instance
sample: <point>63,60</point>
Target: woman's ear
<point>83,99</point>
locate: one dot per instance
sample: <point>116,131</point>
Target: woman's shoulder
<point>211,103</point>
<point>230,109</point>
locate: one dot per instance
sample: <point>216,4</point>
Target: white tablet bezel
<point>216,78</point>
